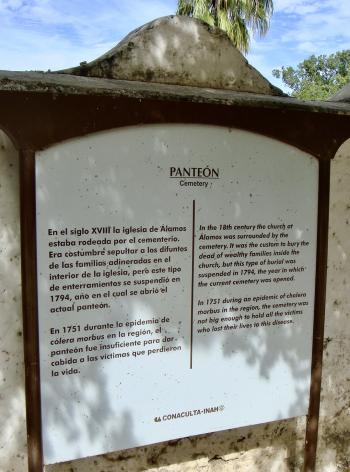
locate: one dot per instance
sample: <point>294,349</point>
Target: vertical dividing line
<point>192,281</point>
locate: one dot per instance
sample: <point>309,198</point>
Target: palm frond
<point>235,17</point>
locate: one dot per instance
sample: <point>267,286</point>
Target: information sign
<point>176,283</point>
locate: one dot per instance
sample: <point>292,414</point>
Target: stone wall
<point>270,447</point>
<point>12,397</point>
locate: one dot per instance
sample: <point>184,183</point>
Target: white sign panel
<point>176,278</point>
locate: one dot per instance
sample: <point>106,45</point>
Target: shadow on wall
<point>12,398</point>
<point>276,447</point>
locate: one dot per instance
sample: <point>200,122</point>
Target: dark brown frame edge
<point>30,310</point>
<point>37,120</point>
<point>311,434</point>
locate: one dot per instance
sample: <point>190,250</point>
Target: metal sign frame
<point>36,120</point>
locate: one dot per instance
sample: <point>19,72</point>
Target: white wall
<point>271,447</point>
<point>12,409</point>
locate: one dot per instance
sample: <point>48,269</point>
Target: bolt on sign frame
<point>40,110</point>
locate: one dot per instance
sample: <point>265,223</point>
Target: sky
<point>56,34</point>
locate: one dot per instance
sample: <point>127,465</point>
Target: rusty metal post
<point>29,304</point>
<point>319,318</point>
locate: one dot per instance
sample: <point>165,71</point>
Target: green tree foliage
<point>318,77</point>
<point>236,17</point>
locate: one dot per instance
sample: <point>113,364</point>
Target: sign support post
<point>319,320</point>
<point>30,310</point>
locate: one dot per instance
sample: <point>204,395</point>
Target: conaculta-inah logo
<point>189,413</point>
